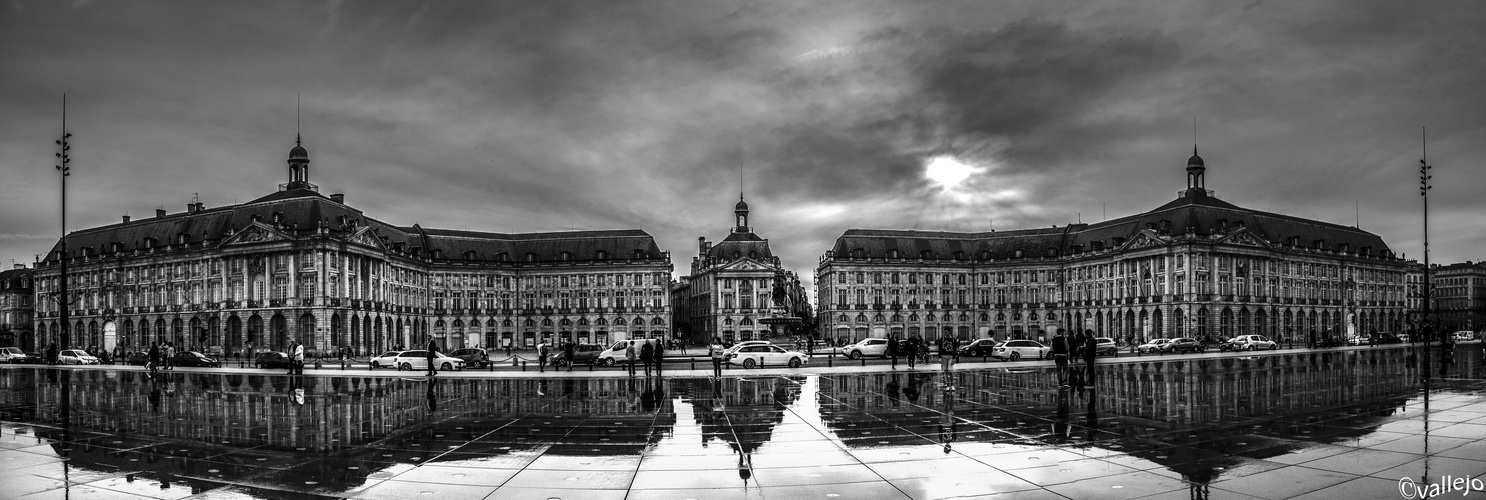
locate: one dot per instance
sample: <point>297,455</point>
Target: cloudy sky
<point>548,116</point>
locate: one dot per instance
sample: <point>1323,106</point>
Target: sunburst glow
<point>948,171</point>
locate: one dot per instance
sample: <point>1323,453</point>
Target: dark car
<point>136,358</point>
<point>193,358</point>
<point>1388,338</point>
<point>1182,345</point>
<point>582,353</point>
<point>272,360</point>
<point>980,347</point>
<point>473,357</point>
<point>30,358</point>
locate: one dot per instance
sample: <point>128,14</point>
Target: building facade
<point>738,289</point>
<point>299,265</point>
<point>17,307</point>
<point>1459,296</point>
<point>1195,267</point>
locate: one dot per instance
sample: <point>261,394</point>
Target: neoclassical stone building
<point>1197,266</point>
<point>297,264</point>
<point>738,288</point>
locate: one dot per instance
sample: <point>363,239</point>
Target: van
<point>615,353</point>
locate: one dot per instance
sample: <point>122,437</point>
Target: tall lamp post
<point>64,157</point>
<point>1424,187</point>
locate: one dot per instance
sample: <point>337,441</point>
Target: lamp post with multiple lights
<point>1424,187</point>
<point>64,158</point>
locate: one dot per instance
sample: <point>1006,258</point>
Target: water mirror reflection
<point>1199,425</point>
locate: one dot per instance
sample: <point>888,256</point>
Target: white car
<point>1465,336</point>
<point>615,353</point>
<point>385,360</point>
<point>752,356</point>
<point>735,347</point>
<point>1253,343</point>
<point>1155,345</point>
<point>1015,350</point>
<point>867,347</point>
<point>9,353</point>
<point>418,360</point>
<point>76,357</point>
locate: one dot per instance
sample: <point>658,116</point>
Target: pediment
<point>256,232</point>
<point>1143,239</point>
<point>1244,238</point>
<point>746,264</point>
<point>367,238</point>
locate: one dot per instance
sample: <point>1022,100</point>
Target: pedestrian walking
<point>567,354</point>
<point>432,354</point>
<point>660,356</point>
<point>1060,358</point>
<point>715,351</point>
<point>629,356</point>
<point>892,350</point>
<point>910,349</point>
<point>647,356</point>
<point>1089,354</point>
<point>169,356</point>
<point>118,354</point>
<point>923,348</point>
<point>298,366</point>
<point>154,358</point>
<point>542,357</point>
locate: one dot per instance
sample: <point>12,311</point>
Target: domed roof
<point>741,205</point>
<point>1195,160</point>
<point>298,152</point>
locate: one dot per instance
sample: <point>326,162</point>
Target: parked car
<point>272,359</point>
<point>866,347</point>
<point>1105,346</point>
<point>1253,343</point>
<point>473,357</point>
<point>615,353</point>
<point>7,354</point>
<point>32,358</point>
<point>1015,350</point>
<point>753,356</point>
<point>1403,336</point>
<point>385,360</point>
<point>582,353</point>
<point>980,347</point>
<point>418,360</point>
<point>75,357</point>
<point>735,347</point>
<point>1182,345</point>
<point>136,358</point>
<point>1154,346</point>
<point>1388,338</point>
<point>193,358</point>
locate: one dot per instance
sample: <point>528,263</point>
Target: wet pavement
<point>1328,424</point>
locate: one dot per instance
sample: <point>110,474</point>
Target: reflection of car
<point>1182,345</point>
<point>582,353</point>
<point>473,357</point>
<point>1464,336</point>
<point>385,360</point>
<point>273,359</point>
<point>867,347</point>
<point>1105,346</point>
<point>753,356</point>
<point>1388,338</point>
<point>1253,343</point>
<point>8,354</point>
<point>76,357</point>
<point>980,347</point>
<point>193,358</point>
<point>418,360</point>
<point>1403,336</point>
<point>1015,350</point>
<point>1155,345</point>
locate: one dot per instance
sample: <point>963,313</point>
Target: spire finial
<point>296,139</point>
<point>1194,136</point>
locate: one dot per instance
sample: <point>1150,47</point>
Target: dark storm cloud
<point>523,116</point>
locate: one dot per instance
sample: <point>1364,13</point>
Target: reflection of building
<point>16,309</point>
<point>1458,294</point>
<point>1197,266</point>
<point>736,287</point>
<point>296,264</point>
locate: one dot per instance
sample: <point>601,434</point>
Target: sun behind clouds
<point>948,171</point>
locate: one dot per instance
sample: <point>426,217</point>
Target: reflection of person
<point>433,401</point>
<point>892,390</point>
<point>947,423</point>
<point>911,392</point>
<point>1060,423</point>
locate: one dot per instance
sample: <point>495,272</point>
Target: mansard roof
<point>740,244</point>
<point>299,212</point>
<point>1195,213</point>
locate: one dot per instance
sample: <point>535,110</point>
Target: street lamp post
<point>1424,187</point>
<point>66,170</point>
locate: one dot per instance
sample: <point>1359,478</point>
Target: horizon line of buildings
<point>299,265</point>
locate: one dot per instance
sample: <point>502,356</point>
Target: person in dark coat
<point>1060,357</point>
<point>433,349</point>
<point>660,355</point>
<point>567,354</point>
<point>154,358</point>
<point>892,350</point>
<point>647,356</point>
<point>1089,354</point>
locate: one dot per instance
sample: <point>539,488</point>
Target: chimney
<point>159,212</point>
<point>190,208</point>
<point>338,198</point>
<point>126,219</point>
<point>20,266</point>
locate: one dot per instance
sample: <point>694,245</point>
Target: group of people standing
<point>650,353</point>
<point>1065,347</point>
<point>916,348</point>
<point>161,357</point>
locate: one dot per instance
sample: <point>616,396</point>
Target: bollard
<point>864,360</point>
<point>523,365</point>
<point>693,363</point>
<point>830,360</point>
